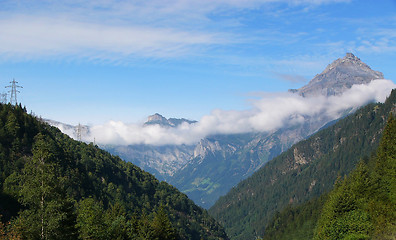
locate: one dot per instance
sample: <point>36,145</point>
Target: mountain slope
<point>295,222</point>
<point>360,206</point>
<point>47,175</point>
<point>161,161</point>
<point>212,174</point>
<point>208,176</point>
<point>306,170</point>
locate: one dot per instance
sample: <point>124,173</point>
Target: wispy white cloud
<point>268,113</point>
<point>368,35</point>
<point>110,29</point>
<point>377,46</point>
<point>377,40</point>
<point>30,36</point>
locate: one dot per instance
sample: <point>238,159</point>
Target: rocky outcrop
<point>204,147</point>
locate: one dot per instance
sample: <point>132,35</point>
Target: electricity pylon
<point>79,132</point>
<point>14,91</point>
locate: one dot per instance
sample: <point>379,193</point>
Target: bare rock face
<point>339,76</point>
<point>205,146</point>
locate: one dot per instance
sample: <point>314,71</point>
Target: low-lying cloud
<point>268,113</point>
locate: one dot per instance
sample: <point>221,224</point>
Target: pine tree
<point>90,220</point>
<point>145,230</point>
<point>383,202</point>
<point>116,221</point>
<point>162,226</point>
<point>48,213</point>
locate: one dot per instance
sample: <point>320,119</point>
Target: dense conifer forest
<point>53,187</point>
<point>361,205</point>
<point>300,176</point>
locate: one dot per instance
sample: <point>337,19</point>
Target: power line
<point>14,91</point>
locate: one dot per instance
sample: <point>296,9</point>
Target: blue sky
<point>90,63</point>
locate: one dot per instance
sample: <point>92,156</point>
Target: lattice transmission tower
<point>14,91</point>
<point>79,132</point>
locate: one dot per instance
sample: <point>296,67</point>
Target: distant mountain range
<point>209,169</point>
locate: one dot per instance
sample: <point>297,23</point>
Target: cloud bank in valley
<point>267,113</point>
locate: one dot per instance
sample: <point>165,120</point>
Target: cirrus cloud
<point>114,30</point>
<point>33,37</point>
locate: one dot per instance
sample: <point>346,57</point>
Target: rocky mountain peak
<point>349,60</point>
<point>339,76</point>
<point>162,121</point>
<point>156,118</point>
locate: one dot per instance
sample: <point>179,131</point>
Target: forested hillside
<point>295,222</point>
<point>53,187</point>
<point>304,172</point>
<point>361,206</point>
